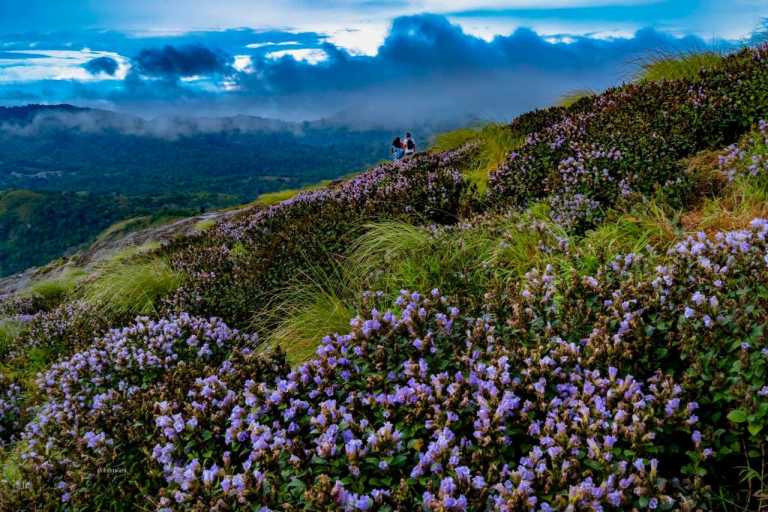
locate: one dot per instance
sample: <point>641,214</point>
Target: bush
<point>418,408</point>
<point>278,242</point>
<point>629,141</point>
<point>87,445</point>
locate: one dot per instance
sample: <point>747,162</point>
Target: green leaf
<point>737,416</point>
<point>754,429</point>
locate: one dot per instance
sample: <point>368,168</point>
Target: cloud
<point>181,61</point>
<point>106,65</point>
<point>426,68</point>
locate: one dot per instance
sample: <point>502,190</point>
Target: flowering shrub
<point>750,158</point>
<point>419,408</point>
<point>66,327</point>
<point>87,440</point>
<point>10,409</point>
<point>629,140</point>
<point>235,268</point>
<point>699,315</point>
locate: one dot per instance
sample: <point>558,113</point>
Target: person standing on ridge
<point>410,145</point>
<point>398,149</point>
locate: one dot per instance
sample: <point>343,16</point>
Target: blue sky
<point>302,59</point>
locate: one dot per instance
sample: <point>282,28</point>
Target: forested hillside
<point>83,169</point>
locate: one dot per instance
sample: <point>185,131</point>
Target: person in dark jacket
<point>398,149</point>
<point>409,145</point>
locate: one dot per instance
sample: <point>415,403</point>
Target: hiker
<point>410,145</point>
<point>398,149</point>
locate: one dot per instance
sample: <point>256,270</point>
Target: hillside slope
<point>587,334</point>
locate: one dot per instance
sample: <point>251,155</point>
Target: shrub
<point>87,445</point>
<point>418,408</point>
<point>630,140</point>
<point>278,241</point>
<point>10,409</point>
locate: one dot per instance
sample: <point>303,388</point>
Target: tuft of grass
<point>54,290</point>
<point>448,141</point>
<point>132,287</point>
<point>319,302</point>
<point>205,225</point>
<point>648,225</point>
<point>493,143</point>
<point>573,97</point>
<point>9,332</point>
<point>742,201</point>
<point>678,67</point>
<point>459,261</point>
<point>272,198</point>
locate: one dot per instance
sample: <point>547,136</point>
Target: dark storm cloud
<point>106,65</point>
<point>181,61</point>
<point>428,45</point>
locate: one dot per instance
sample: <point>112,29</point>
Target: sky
<point>384,61</point>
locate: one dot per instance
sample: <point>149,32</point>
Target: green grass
<point>317,303</point>
<point>9,332</point>
<point>678,67</point>
<point>494,143</point>
<point>56,289</point>
<point>573,97</point>
<point>648,226</point>
<point>272,198</point>
<point>448,141</point>
<point>205,225</point>
<point>131,286</point>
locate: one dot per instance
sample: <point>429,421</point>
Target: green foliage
<point>133,287</point>
<point>37,227</point>
<point>679,67</point>
<point>491,144</point>
<point>319,302</point>
<point>572,98</point>
<point>9,333</point>
<point>54,290</point>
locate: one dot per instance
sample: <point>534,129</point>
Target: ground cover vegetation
<point>589,333</point>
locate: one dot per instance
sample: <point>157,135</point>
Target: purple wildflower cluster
<point>10,409</point>
<point>628,142</point>
<point>750,157</point>
<point>92,398</point>
<point>382,183</point>
<point>418,407</point>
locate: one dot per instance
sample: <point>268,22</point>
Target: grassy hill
<point>562,313</point>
